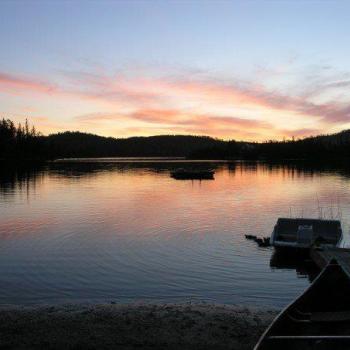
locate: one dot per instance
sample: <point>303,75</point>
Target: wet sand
<point>132,326</point>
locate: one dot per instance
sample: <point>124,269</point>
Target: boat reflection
<point>301,263</point>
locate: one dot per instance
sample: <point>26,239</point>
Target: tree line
<point>20,141</point>
<point>334,146</point>
<point>23,142</point>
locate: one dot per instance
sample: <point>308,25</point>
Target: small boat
<point>192,174</point>
<point>318,319</point>
<point>302,234</point>
<point>250,237</point>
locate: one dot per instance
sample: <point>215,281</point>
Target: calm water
<point>125,231</point>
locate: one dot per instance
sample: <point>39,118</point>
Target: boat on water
<point>302,234</point>
<point>319,319</point>
<point>192,174</point>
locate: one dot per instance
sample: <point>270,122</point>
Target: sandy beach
<point>132,326</point>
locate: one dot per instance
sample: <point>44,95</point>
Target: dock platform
<point>321,257</point>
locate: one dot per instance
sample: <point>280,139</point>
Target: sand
<point>132,326</point>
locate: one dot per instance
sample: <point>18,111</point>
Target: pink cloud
<point>176,117</point>
<point>142,91</point>
<point>158,100</point>
<point>177,121</point>
<point>11,83</point>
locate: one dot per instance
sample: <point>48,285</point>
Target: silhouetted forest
<point>312,148</point>
<point>23,142</point>
<point>19,142</point>
<point>77,144</point>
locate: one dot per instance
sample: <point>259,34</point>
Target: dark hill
<point>76,144</point>
<point>316,147</point>
<point>25,143</point>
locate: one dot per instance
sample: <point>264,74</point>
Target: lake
<point>114,230</point>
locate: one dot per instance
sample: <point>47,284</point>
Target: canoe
<point>318,319</point>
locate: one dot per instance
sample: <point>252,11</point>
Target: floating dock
<point>321,257</point>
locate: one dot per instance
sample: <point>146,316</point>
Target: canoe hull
<point>318,319</point>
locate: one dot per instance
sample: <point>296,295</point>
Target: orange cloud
<point>176,117</point>
<point>177,121</point>
<point>190,104</point>
<point>147,91</point>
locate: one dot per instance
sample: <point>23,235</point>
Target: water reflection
<point>126,231</point>
<point>14,178</point>
<point>300,262</point>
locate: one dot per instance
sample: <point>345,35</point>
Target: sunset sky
<point>251,70</point>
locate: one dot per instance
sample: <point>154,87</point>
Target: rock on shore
<point>132,326</point>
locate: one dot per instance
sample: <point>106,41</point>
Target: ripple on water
<point>133,233</point>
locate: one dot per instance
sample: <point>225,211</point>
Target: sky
<point>244,70</point>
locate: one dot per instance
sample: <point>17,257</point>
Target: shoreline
<point>132,326</point>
